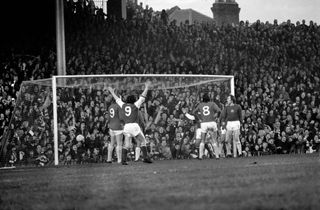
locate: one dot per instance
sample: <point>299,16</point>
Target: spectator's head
<point>31,153</point>
<point>163,143</point>
<point>74,147</point>
<point>265,145</point>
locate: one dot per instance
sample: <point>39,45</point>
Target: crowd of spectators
<point>277,80</point>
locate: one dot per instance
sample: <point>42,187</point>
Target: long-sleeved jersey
<point>232,113</point>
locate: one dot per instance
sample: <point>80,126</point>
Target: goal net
<point>64,119</point>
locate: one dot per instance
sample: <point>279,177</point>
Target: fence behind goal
<point>65,119</point>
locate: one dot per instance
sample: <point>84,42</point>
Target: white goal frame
<point>54,95</point>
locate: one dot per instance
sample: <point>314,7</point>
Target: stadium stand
<point>276,68</point>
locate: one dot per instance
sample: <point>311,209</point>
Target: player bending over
<point>207,111</point>
<point>130,116</point>
<point>145,124</point>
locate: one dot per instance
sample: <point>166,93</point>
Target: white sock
<point>239,148</point>
<point>234,148</point>
<point>119,153</point>
<point>220,149</point>
<point>110,150</point>
<point>228,147</point>
<point>206,152</point>
<point>201,149</point>
<point>137,153</point>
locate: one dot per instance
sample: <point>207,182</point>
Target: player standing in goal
<point>130,116</point>
<point>207,113</point>
<point>231,118</point>
<point>115,131</point>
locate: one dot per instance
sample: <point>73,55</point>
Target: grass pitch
<point>267,182</point>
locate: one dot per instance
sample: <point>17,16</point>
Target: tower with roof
<point>225,12</point>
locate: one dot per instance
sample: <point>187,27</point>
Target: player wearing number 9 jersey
<point>207,111</point>
<point>115,131</point>
<point>130,116</point>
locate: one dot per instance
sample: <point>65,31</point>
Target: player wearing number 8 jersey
<point>115,131</point>
<point>207,111</point>
<point>130,116</point>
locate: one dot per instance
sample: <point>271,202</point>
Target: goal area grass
<point>265,182</point>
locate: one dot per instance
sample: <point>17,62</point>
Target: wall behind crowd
<point>276,68</point>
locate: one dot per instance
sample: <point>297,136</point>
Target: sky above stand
<point>252,10</point>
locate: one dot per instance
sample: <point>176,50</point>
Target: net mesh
<point>82,116</point>
<point>30,124</point>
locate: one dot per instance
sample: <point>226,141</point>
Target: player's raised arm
<point>146,88</point>
<point>111,90</point>
<point>118,99</point>
<point>143,94</point>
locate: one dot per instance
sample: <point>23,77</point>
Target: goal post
<point>62,105</point>
<point>232,86</point>
<point>55,119</point>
